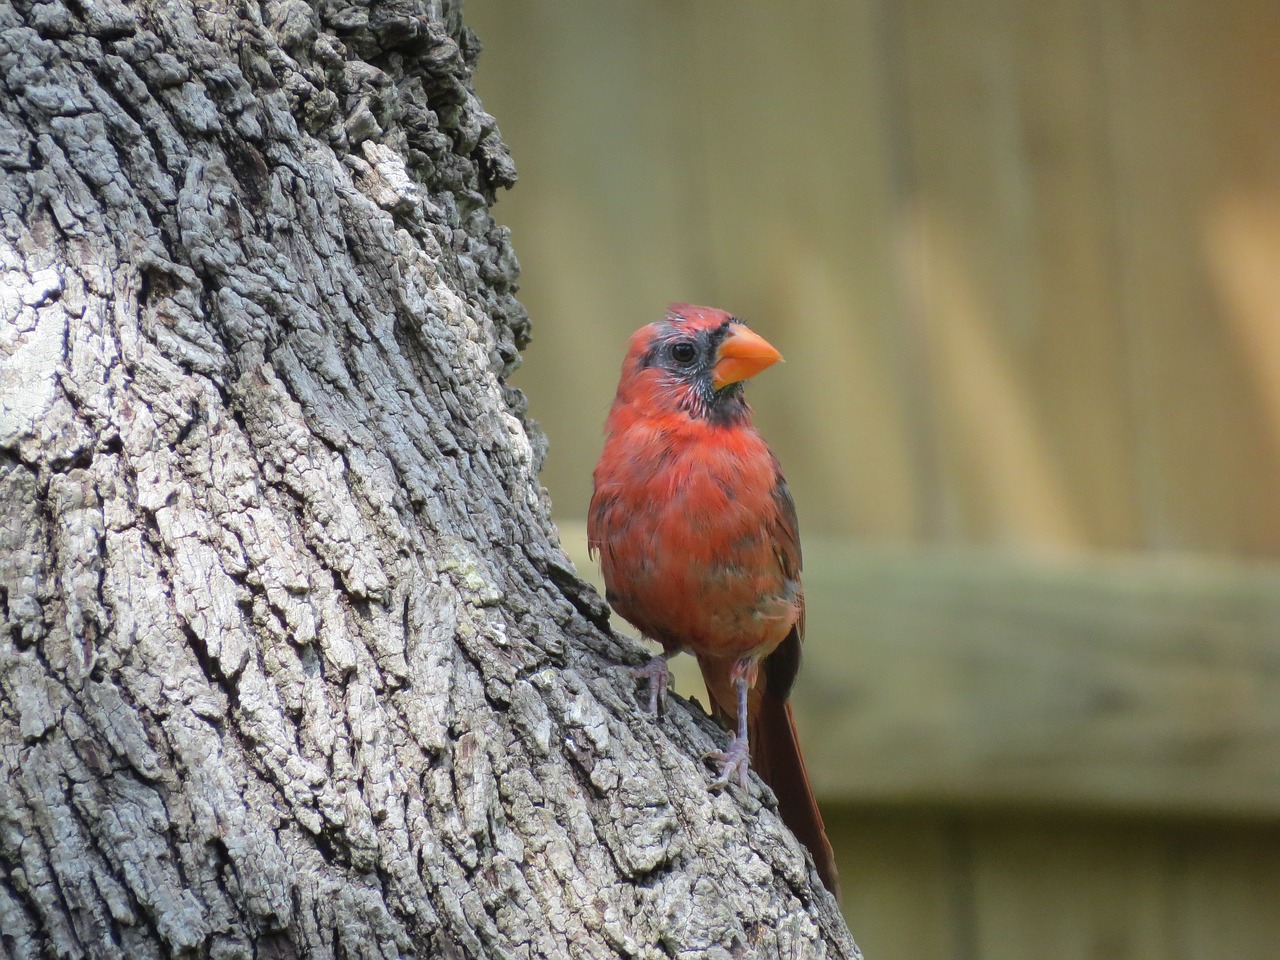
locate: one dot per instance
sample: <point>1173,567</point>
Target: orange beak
<point>742,354</point>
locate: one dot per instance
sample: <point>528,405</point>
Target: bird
<point>699,545</point>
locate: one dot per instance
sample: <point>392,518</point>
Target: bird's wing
<point>782,665</point>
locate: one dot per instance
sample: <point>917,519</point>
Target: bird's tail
<point>775,755</point>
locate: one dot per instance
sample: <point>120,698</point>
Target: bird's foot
<point>735,759</point>
<point>659,676</point>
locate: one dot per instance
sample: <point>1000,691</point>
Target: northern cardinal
<point>698,543</point>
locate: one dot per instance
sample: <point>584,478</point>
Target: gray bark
<point>291,661</point>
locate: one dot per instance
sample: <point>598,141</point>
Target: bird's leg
<point>659,677</point>
<point>736,758</point>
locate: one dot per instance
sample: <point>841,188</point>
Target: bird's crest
<point>698,317</point>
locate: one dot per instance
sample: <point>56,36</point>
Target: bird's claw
<point>659,676</point>
<point>735,759</point>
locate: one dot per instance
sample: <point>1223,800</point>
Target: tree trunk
<point>291,661</point>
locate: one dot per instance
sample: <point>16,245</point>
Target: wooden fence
<point>1024,263</point>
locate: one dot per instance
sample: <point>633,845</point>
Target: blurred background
<point>1023,260</point>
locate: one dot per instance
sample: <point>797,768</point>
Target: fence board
<point>1009,212</point>
<point>1029,900</point>
<point>904,881</point>
<point>1226,882</point>
<point>1144,684</point>
<point>1186,88</point>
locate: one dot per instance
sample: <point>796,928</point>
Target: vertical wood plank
<point>1226,887</point>
<point>1192,100</point>
<point>1009,214</point>
<point>903,880</point>
<point>1045,888</point>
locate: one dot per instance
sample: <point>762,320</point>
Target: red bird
<point>699,546</point>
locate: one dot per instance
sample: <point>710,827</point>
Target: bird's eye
<point>682,352</point>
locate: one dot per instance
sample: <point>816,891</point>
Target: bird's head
<point>693,361</point>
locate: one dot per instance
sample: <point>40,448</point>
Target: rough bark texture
<point>291,661</point>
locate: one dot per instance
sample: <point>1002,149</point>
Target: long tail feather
<point>775,755</point>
